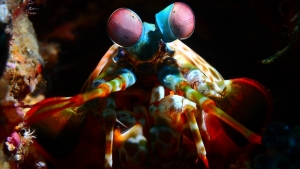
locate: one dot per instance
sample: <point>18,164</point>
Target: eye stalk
<point>124,27</point>
<point>177,21</point>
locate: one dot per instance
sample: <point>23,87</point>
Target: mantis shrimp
<point>189,106</point>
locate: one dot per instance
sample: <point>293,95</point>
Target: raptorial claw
<point>51,106</point>
<point>170,76</point>
<point>249,103</point>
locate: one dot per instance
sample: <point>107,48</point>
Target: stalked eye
<point>182,20</point>
<point>124,27</point>
<point>176,21</point>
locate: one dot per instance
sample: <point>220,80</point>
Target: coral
<point>24,63</point>
<point>21,66</point>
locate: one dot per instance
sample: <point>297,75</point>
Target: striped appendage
<point>186,59</point>
<point>191,57</point>
<point>110,116</point>
<point>199,81</point>
<point>201,75</point>
<point>169,123</point>
<point>132,146</point>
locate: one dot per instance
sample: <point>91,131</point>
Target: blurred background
<point>233,36</point>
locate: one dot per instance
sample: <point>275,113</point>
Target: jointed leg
<point>162,106</point>
<point>110,116</point>
<point>170,76</point>
<point>196,134</point>
<point>51,106</point>
<point>209,106</point>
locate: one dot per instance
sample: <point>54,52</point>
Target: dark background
<point>231,35</point>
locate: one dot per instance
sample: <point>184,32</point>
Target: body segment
<point>153,99</point>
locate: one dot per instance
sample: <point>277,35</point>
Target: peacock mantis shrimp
<point>150,128</point>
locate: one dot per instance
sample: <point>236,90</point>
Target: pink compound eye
<point>124,27</point>
<point>182,20</point>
